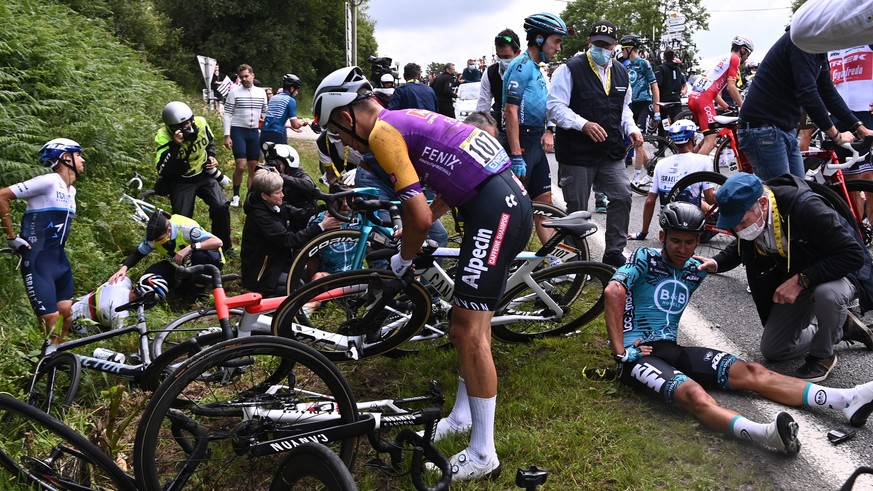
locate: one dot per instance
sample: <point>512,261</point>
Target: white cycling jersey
<point>243,107</point>
<point>100,304</point>
<point>669,170</point>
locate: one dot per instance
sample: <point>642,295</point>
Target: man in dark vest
<point>444,86</point>
<point>507,46</point>
<point>590,101</point>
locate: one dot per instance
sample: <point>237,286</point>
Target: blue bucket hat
<point>735,197</point>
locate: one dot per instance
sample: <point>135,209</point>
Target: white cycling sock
<point>815,395</point>
<point>481,447</point>
<point>459,419</point>
<point>765,433</point>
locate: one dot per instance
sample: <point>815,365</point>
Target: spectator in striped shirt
<point>243,111</point>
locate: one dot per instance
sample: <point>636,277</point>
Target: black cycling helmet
<point>546,24</point>
<point>291,81</point>
<point>630,41</point>
<point>157,225</point>
<point>682,216</point>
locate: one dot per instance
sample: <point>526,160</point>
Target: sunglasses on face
<point>506,40</point>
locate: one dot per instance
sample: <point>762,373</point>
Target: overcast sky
<point>423,31</point>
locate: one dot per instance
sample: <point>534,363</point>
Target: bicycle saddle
<point>577,223</point>
<point>726,120</point>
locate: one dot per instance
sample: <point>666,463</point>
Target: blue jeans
<point>772,151</point>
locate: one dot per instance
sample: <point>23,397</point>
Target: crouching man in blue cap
<point>803,260</point>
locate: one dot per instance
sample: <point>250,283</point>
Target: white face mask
<point>752,231</point>
<point>504,64</point>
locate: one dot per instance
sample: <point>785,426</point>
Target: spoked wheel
<point>566,298</point>
<point>204,432</point>
<point>861,192</point>
<point>43,452</point>
<point>313,466</point>
<point>195,323</point>
<point>337,316</point>
<point>653,150</point>
<point>55,383</point>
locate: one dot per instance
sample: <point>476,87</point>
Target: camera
<point>219,176</point>
<point>380,66</point>
<point>189,132</point>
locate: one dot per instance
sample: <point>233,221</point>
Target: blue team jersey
<point>657,294</point>
<point>281,108</point>
<point>51,206</point>
<point>641,77</point>
<point>525,86</point>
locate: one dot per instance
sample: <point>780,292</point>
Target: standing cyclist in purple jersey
<point>467,168</point>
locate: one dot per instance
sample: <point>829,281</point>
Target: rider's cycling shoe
<point>445,429</point>
<point>861,406</point>
<point>785,437</point>
<point>464,469</point>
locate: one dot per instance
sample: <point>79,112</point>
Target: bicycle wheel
<point>313,466</point>
<point>862,192</point>
<point>199,431</point>
<point>41,451</point>
<point>337,242</point>
<point>527,313</point>
<point>653,150</point>
<point>196,323</point>
<point>690,188</point>
<point>55,383</point>
<point>329,315</point>
<point>150,196</point>
<point>724,160</point>
<point>170,360</point>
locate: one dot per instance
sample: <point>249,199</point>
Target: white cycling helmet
<point>743,42</point>
<point>339,89</point>
<point>682,131</point>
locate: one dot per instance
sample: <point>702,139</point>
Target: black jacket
<point>268,243</point>
<point>821,243</point>
<point>443,85</point>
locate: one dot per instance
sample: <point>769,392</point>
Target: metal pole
<point>354,33</point>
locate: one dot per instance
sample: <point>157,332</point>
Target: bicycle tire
<point>202,442</point>
<point>169,361</point>
<point>345,299</point>
<point>577,287</point>
<point>39,450</point>
<point>313,466</point>
<point>188,325</point>
<point>55,383</point>
<point>161,201</point>
<point>657,147</point>
<point>724,160</point>
<point>300,271</point>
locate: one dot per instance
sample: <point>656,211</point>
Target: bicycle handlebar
<point>363,200</point>
<point>136,179</point>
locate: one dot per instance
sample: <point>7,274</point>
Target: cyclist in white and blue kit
<point>645,300</point>
<point>45,225</point>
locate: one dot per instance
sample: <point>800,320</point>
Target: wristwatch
<point>803,280</point>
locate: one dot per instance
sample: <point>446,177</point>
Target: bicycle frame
<point>729,131</point>
<point>142,210</point>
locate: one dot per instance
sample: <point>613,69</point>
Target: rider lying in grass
<point>644,302</point>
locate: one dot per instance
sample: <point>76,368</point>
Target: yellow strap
<point>597,72</point>
<point>777,224</point>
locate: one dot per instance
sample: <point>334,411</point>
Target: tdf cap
<point>604,30</point>
<point>735,197</point>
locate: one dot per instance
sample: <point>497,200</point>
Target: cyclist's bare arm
<point>417,220</point>
<point>656,98</point>
<point>510,118</point>
<point>734,91</point>
<point>438,208</point>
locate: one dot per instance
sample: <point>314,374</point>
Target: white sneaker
<point>644,180</point>
<point>464,469</point>
<point>235,202</point>
<point>444,429</point>
<point>861,406</point>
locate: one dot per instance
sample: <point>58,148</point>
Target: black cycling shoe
<point>787,428</point>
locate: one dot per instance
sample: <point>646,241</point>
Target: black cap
<point>604,30</point>
<point>157,225</point>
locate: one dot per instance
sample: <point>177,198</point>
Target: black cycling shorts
<point>670,364</point>
<point>497,226</point>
